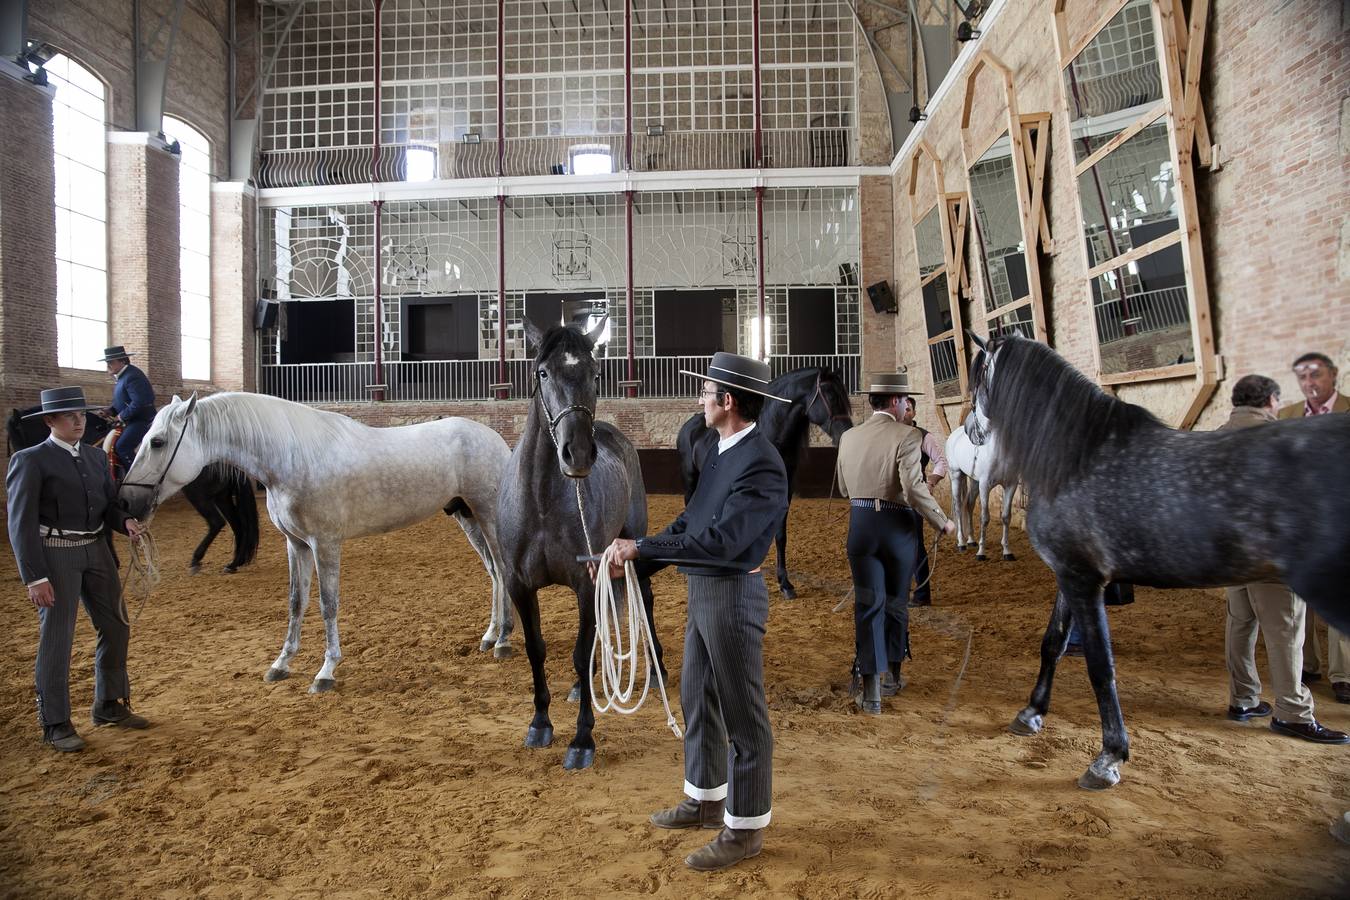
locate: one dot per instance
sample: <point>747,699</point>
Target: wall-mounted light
<point>964,32</point>
<point>656,130</point>
<point>916,115</point>
<point>472,137</point>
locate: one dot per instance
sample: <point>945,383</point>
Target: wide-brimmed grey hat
<point>888,383</point>
<point>740,372</point>
<point>117,352</point>
<point>61,400</point>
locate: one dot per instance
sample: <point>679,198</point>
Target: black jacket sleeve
<point>23,488</point>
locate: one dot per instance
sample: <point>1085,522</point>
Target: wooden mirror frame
<point>1028,177</point>
<point>952,223</point>
<point>1180,48</point>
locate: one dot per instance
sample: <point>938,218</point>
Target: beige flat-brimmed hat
<point>888,383</point>
<point>741,372</point>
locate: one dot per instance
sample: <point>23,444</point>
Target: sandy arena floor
<point>411,779</point>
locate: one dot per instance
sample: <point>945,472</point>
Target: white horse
<point>970,468</point>
<point>330,478</point>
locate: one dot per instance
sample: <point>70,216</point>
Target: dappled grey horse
<point>572,486</point>
<point>1116,495</point>
<point>328,478</point>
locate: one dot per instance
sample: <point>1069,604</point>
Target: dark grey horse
<point>564,456</point>
<point>817,397</point>
<point>1115,495</point>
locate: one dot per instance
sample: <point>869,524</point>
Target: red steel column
<point>759,258</point>
<point>759,133</point>
<point>629,329</point>
<point>501,200</point>
<point>378,393</point>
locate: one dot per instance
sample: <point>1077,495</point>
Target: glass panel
<point>88,340</point>
<point>85,190</point>
<point>88,241</point>
<point>928,243</point>
<point>196,312</point>
<point>1115,78</point>
<point>937,306</point>
<point>998,226</point>
<point>1014,321</point>
<point>946,375</point>
<point>1133,191</point>
<point>1142,311</point>
<point>197,358</point>
<point>62,287</point>
<point>89,292</point>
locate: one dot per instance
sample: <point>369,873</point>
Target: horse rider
<point>719,542</point>
<point>61,498</point>
<point>133,403</point>
<point>879,469</point>
<point>930,450</point>
<point>1272,609</point>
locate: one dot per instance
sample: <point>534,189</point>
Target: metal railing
<point>1147,312</point>
<point>470,379</point>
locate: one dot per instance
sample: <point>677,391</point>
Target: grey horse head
<point>566,382</point>
<point>170,456</point>
<point>982,373</point>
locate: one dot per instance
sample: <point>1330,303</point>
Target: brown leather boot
<point>690,814</point>
<point>729,847</point>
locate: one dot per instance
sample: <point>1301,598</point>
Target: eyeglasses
<point>706,393</point>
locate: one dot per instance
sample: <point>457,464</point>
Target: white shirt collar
<point>725,444</point>
<point>882,412</point>
<point>72,449</point>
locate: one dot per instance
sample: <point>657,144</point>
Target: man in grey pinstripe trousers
<point>719,542</point>
<point>61,499</point>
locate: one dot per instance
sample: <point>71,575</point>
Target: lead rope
<point>142,572</point>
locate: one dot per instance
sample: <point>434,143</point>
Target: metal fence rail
<point>443,380</point>
<point>1142,313</point>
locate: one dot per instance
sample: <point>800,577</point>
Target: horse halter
<point>554,420</point>
<point>154,488</point>
<point>819,394</point>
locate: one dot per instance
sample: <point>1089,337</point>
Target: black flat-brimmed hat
<point>888,383</point>
<point>61,400</point>
<point>740,372</point>
<point>118,352</point>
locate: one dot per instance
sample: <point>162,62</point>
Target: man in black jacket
<point>719,542</point>
<point>133,403</point>
<point>61,498</point>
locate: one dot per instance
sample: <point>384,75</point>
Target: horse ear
<point>191,403</point>
<point>594,334</point>
<point>977,340</point>
<point>534,338</point>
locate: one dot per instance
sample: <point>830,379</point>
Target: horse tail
<point>247,504</point>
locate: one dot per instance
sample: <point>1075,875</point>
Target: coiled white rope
<point>142,571</point>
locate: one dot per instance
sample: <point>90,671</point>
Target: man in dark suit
<point>133,403</point>
<point>719,542</point>
<point>61,498</point>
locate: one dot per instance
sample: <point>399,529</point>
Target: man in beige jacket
<point>1271,608</point>
<point>879,470</point>
<point>1316,376</point>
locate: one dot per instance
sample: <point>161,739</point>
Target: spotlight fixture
<point>472,137</point>
<point>656,130</point>
<point>965,33</point>
<point>916,115</point>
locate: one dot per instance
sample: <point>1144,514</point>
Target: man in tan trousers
<point>1271,608</point>
<point>1317,380</point>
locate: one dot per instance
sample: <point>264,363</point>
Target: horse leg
<point>1090,614</point>
<point>985,488</point>
<point>227,507</point>
<point>329,558</point>
<point>958,497</point>
<point>526,600</point>
<point>581,752</point>
<point>494,636</point>
<point>786,587</point>
<point>972,491</point>
<point>1008,494</point>
<point>506,622</point>
<point>300,560</point>
<point>207,509</point>
<point>1032,718</point>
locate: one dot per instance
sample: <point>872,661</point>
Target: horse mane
<point>270,428</point>
<point>565,338</point>
<point>1049,419</point>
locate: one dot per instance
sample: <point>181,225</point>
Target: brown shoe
<point>117,712</point>
<point>729,847</point>
<point>62,737</point>
<point>1342,691</point>
<point>690,814</point>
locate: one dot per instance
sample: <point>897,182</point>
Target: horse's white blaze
<point>570,360</point>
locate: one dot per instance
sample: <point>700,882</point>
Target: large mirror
<point>1005,154</point>
<point>939,220</point>
<point>1122,87</point>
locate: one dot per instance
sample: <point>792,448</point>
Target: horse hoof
<point>1009,557</point>
<point>981,557</point>
<point>322,685</point>
<point>1099,779</point>
<point>574,695</point>
<point>960,548</point>
<point>485,646</point>
<point>539,737</point>
<point>789,592</point>
<point>275,674</point>
<point>1027,724</point>
<point>230,570</point>
<point>195,569</point>
<point>579,757</point>
<point>503,651</point>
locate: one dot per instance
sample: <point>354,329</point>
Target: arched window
<point>78,120</point>
<point>194,245</point>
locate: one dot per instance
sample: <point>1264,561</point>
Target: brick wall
<point>1273,220</point>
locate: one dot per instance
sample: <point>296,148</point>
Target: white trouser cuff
<point>698,793</point>
<point>747,822</point>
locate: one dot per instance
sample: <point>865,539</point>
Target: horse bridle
<point>820,394</point>
<point>554,420</point>
<point>154,488</point>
